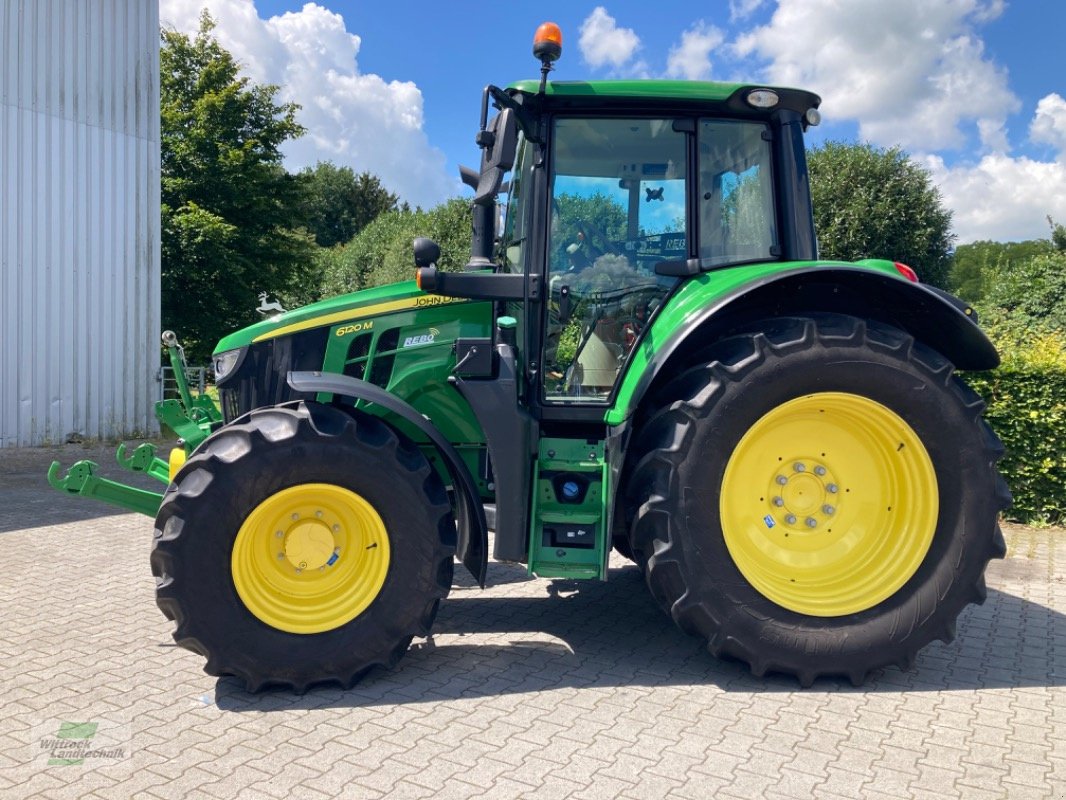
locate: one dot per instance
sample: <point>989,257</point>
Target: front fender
<point>473,546</point>
<point>710,305</point>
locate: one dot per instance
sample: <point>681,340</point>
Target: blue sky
<point>972,89</point>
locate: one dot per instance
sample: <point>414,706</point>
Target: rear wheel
<point>820,498</point>
<point>303,544</point>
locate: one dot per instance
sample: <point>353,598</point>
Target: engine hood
<point>343,308</point>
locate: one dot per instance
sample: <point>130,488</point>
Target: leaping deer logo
<point>266,308</point>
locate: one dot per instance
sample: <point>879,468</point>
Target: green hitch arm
<point>171,414</point>
<point>177,363</point>
<point>82,480</point>
<point>191,418</point>
<point>144,460</point>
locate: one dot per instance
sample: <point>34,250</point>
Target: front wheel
<point>820,498</point>
<point>303,544</point>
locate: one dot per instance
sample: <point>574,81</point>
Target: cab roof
<point>731,94</point>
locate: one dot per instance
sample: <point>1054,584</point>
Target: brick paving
<point>532,688</point>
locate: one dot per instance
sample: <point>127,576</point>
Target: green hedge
<point>1027,407</point>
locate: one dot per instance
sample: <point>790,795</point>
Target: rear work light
<point>907,272</point>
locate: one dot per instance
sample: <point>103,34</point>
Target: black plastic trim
<point>511,434</point>
<point>796,236</point>
<point>478,285</point>
<point>473,546</point>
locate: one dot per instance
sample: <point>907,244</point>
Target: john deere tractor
<point>645,352</point>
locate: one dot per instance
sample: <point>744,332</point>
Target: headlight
<point>762,98</point>
<point>224,363</point>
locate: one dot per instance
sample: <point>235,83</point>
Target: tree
<point>381,253</point>
<point>873,203</point>
<point>340,203</point>
<point>1058,234</point>
<point>228,206</point>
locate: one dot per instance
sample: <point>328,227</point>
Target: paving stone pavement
<point>532,688</point>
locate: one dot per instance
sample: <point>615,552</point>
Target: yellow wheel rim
<point>310,558</point>
<point>829,504</point>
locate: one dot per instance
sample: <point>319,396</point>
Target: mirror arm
<point>479,286</point>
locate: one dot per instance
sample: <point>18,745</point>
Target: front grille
<point>259,379</point>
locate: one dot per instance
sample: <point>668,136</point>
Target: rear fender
<point>930,315</point>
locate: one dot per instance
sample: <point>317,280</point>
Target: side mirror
<point>427,252</point>
<point>498,156</point>
<point>469,176</point>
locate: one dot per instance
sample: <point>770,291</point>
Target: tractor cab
<point>619,191</point>
<point>621,194</point>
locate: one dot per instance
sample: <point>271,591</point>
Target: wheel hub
<point>309,544</point>
<point>804,493</point>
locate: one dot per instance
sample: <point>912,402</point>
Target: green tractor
<point>644,352</point>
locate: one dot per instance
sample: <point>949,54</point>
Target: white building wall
<point>79,218</point>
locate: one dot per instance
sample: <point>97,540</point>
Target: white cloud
<point>691,57</point>
<point>989,10</point>
<point>742,9</point>
<point>912,72</point>
<point>1049,124</point>
<point>603,43</point>
<point>352,118</point>
<point>1002,198</point>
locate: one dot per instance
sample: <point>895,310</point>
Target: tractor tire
<point>819,498</point>
<point>303,544</point>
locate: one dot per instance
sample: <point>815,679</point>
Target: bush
<point>1032,291</point>
<point>381,253</point>
<point>873,203</point>
<point>1027,408</point>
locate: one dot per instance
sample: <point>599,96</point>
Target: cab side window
<point>736,200</point>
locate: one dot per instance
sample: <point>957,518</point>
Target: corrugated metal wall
<point>79,218</point>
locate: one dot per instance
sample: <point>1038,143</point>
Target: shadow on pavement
<point>28,501</point>
<point>587,634</point>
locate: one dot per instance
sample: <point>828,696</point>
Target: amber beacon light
<point>548,42</point>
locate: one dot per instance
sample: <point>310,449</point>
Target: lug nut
<point>791,519</point>
<point>336,528</point>
<point>812,522</point>
<point>318,514</point>
<point>281,555</point>
<point>799,466</point>
<point>831,488</point>
<point>778,501</point>
<point>295,516</point>
<point>819,470</point>
<point>828,509</point>
<point>781,480</point>
<point>279,534</point>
